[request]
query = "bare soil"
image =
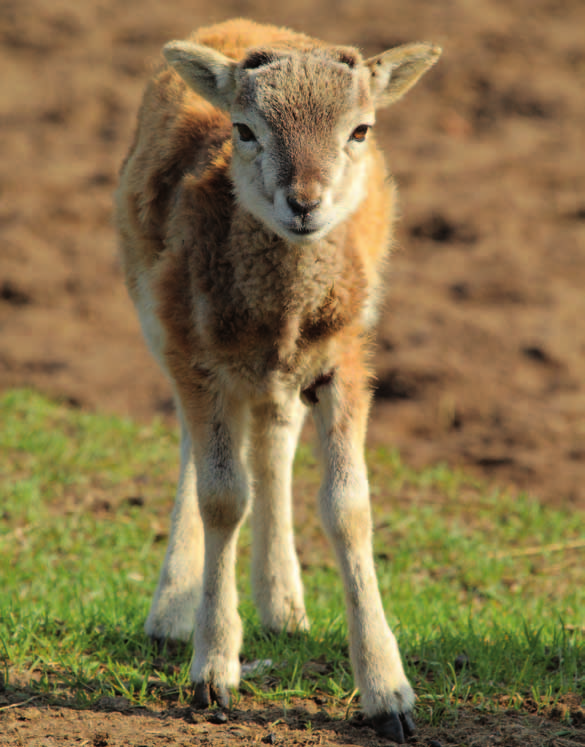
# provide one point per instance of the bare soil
(481, 350)
(113, 723)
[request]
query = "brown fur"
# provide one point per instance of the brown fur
(176, 196)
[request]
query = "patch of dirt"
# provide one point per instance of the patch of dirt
(114, 723)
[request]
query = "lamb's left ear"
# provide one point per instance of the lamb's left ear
(205, 70)
(394, 72)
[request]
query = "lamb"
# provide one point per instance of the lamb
(255, 216)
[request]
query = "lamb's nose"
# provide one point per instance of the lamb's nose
(302, 207)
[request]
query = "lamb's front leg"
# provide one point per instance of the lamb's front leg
(340, 416)
(224, 496)
(276, 576)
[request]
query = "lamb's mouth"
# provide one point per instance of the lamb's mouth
(303, 230)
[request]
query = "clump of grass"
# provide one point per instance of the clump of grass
(485, 590)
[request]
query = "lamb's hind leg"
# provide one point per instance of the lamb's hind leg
(172, 612)
(340, 416)
(276, 577)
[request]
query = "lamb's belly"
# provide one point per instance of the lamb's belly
(268, 379)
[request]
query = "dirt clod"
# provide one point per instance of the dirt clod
(217, 717)
(461, 661)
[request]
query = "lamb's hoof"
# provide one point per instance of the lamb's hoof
(395, 726)
(168, 647)
(205, 694)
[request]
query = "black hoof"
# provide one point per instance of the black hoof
(158, 643)
(167, 646)
(205, 694)
(201, 697)
(395, 726)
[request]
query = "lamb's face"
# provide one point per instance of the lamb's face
(300, 133)
(301, 121)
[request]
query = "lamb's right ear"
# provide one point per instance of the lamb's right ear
(208, 72)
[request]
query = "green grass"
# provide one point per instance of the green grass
(485, 590)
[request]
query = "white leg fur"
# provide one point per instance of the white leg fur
(276, 576)
(172, 613)
(224, 497)
(345, 509)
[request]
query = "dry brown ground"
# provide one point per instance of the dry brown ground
(481, 356)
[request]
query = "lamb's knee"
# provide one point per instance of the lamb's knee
(345, 508)
(224, 498)
(348, 528)
(222, 487)
(223, 511)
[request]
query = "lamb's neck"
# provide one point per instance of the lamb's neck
(279, 276)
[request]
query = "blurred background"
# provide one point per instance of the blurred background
(481, 347)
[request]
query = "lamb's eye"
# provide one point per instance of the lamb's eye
(359, 134)
(245, 133)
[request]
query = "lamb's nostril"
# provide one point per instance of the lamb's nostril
(302, 207)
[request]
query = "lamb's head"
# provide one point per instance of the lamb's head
(300, 124)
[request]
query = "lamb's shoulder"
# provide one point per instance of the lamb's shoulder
(179, 136)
